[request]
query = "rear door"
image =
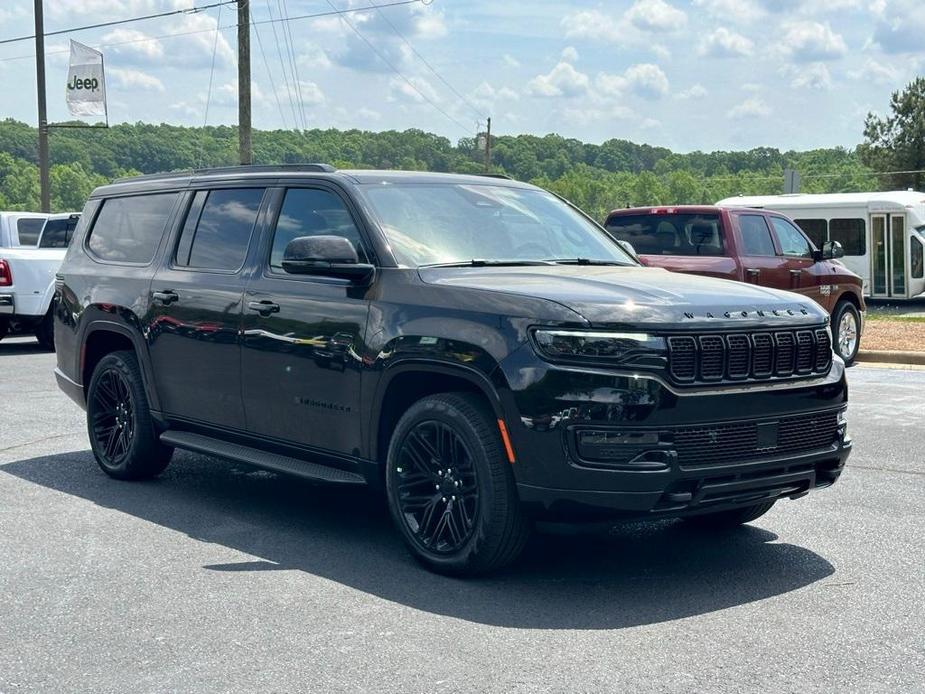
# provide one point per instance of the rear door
(196, 299)
(797, 252)
(758, 255)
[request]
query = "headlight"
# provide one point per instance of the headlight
(639, 348)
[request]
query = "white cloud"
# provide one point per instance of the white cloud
(736, 11)
(812, 41)
(645, 79)
(570, 54)
(593, 25)
(696, 91)
(900, 28)
(814, 76)
(655, 16)
(753, 107)
(724, 43)
(143, 48)
(134, 79)
(309, 93)
(486, 96)
(876, 72)
(312, 57)
(419, 93)
(510, 60)
(562, 80)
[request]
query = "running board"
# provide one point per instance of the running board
(198, 443)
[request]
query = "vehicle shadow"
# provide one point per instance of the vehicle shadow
(28, 345)
(633, 575)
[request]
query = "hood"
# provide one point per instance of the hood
(622, 296)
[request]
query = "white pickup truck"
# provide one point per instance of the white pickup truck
(32, 247)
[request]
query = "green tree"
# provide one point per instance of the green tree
(897, 142)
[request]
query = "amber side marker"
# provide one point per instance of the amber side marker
(507, 441)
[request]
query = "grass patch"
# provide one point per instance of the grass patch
(894, 318)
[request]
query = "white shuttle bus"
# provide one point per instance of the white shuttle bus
(883, 234)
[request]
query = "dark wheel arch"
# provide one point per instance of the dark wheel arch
(102, 337)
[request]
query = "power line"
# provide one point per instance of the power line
(116, 22)
(282, 65)
(315, 15)
(266, 65)
(205, 118)
(430, 67)
(398, 72)
(287, 32)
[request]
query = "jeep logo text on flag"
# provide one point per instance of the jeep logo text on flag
(86, 88)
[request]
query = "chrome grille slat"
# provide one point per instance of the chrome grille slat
(760, 356)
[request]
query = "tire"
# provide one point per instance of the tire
(450, 487)
(45, 332)
(4, 326)
(124, 440)
(732, 518)
(845, 321)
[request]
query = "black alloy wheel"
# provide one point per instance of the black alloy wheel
(437, 487)
(122, 434)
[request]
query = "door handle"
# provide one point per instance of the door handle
(752, 273)
(264, 308)
(166, 297)
(795, 272)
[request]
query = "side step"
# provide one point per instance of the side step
(252, 456)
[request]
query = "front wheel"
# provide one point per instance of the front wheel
(846, 331)
(122, 434)
(45, 332)
(732, 518)
(450, 488)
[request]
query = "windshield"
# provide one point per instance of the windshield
(429, 224)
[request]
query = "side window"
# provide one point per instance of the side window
(129, 229)
(312, 212)
(756, 237)
(791, 240)
(816, 229)
(218, 228)
(917, 258)
(851, 234)
(57, 233)
(28, 230)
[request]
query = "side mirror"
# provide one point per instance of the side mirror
(628, 247)
(327, 256)
(832, 250)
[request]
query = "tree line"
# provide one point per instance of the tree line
(596, 177)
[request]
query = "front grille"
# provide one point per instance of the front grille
(715, 358)
(738, 442)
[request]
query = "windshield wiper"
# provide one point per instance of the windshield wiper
(586, 261)
(480, 262)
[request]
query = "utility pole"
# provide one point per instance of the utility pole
(43, 115)
(244, 81)
(488, 148)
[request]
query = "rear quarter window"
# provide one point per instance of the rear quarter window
(670, 234)
(129, 229)
(28, 230)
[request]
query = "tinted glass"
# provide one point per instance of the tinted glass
(222, 233)
(756, 237)
(129, 229)
(851, 234)
(452, 222)
(790, 240)
(670, 234)
(57, 233)
(28, 230)
(312, 212)
(916, 258)
(816, 229)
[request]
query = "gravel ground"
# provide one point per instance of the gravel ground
(903, 335)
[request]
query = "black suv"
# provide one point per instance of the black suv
(475, 347)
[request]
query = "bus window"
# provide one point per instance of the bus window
(816, 229)
(850, 233)
(917, 251)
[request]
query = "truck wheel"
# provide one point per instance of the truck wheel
(45, 332)
(730, 519)
(846, 330)
(122, 434)
(450, 488)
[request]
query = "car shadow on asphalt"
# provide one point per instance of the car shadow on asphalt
(14, 346)
(632, 575)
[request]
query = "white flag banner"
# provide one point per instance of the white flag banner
(86, 89)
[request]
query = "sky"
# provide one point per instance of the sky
(688, 75)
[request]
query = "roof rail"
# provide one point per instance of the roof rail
(496, 175)
(239, 168)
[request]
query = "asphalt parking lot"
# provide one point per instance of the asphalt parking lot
(218, 578)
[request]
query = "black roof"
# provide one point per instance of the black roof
(292, 172)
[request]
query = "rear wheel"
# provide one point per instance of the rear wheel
(846, 330)
(45, 332)
(732, 518)
(122, 434)
(450, 488)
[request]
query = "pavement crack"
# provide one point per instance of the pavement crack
(887, 469)
(45, 438)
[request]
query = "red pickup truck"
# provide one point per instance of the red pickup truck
(749, 245)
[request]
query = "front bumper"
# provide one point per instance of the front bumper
(7, 305)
